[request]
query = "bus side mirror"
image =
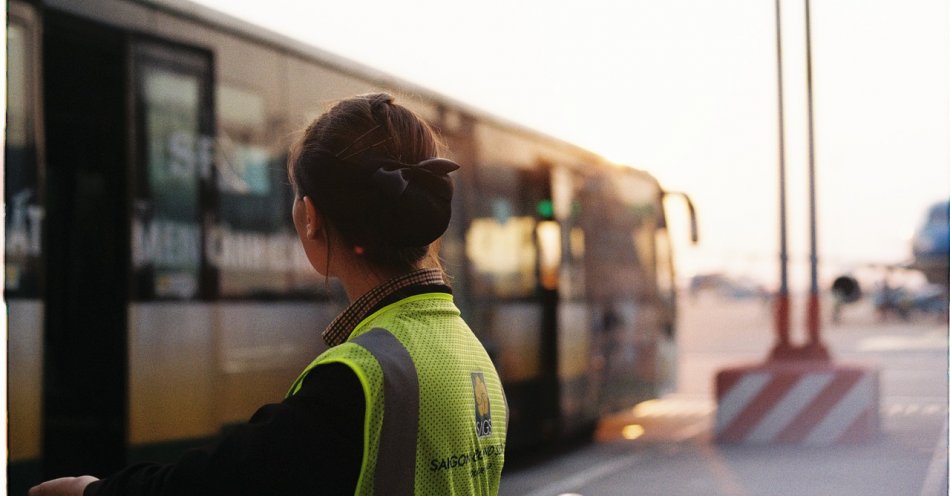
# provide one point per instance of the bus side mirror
(693, 224)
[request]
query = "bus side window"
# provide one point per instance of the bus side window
(175, 160)
(253, 244)
(500, 238)
(24, 212)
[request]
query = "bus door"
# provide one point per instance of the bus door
(124, 190)
(562, 245)
(171, 352)
(85, 247)
(511, 306)
(621, 217)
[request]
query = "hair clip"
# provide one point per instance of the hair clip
(370, 147)
(357, 140)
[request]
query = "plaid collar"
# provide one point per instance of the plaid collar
(341, 327)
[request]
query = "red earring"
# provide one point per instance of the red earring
(358, 250)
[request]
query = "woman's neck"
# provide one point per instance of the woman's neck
(361, 280)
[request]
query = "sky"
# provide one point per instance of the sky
(687, 90)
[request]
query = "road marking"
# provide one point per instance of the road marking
(935, 484)
(687, 408)
(931, 409)
(585, 477)
(910, 408)
(674, 408)
(690, 431)
(929, 341)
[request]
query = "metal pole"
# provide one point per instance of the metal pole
(782, 346)
(814, 347)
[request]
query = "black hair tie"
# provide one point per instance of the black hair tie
(417, 201)
(392, 177)
(381, 202)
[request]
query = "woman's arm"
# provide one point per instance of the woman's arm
(309, 443)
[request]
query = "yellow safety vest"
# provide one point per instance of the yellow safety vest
(436, 415)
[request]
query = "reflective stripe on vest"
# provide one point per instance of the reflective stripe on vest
(397, 438)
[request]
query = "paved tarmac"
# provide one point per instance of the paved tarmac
(666, 447)
(674, 455)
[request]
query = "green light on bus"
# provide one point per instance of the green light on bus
(546, 209)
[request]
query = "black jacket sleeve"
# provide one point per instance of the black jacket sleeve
(311, 443)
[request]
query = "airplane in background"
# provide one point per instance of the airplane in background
(931, 244)
(894, 290)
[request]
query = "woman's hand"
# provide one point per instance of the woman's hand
(66, 486)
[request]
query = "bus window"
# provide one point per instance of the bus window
(640, 209)
(24, 213)
(170, 237)
(176, 155)
(253, 244)
(566, 191)
(664, 265)
(614, 255)
(502, 255)
(500, 238)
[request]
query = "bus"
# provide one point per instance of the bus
(155, 289)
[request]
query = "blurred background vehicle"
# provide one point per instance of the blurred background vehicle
(931, 244)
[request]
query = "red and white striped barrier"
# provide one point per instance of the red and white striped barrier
(797, 402)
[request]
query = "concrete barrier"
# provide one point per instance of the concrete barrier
(810, 402)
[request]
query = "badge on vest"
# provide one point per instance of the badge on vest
(482, 405)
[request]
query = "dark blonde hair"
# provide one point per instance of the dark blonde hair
(366, 165)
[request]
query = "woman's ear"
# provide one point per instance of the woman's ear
(314, 222)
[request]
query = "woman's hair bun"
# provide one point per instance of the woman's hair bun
(421, 213)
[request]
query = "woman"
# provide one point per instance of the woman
(405, 400)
